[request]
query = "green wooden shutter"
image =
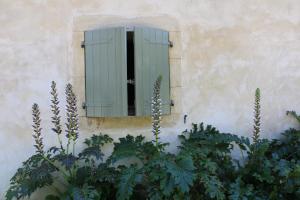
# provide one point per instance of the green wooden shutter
(106, 73)
(151, 60)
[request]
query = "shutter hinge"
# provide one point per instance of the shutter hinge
(170, 44)
(83, 105)
(172, 103)
(82, 44)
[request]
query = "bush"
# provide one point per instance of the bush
(203, 168)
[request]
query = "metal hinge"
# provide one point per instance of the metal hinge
(82, 44)
(170, 44)
(172, 103)
(83, 105)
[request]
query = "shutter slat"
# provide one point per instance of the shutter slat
(151, 60)
(105, 79)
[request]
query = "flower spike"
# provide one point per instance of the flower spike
(156, 109)
(72, 116)
(56, 110)
(37, 130)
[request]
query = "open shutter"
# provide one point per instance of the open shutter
(151, 60)
(106, 73)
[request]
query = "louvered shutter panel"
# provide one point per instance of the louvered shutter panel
(106, 73)
(151, 60)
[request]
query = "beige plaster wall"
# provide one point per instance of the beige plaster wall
(222, 51)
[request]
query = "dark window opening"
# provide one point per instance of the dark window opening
(130, 74)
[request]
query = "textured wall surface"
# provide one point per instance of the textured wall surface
(222, 51)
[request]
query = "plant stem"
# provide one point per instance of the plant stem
(60, 143)
(58, 167)
(68, 145)
(74, 148)
(156, 137)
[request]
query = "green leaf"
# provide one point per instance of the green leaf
(128, 179)
(172, 173)
(283, 168)
(213, 187)
(155, 194)
(167, 184)
(91, 151)
(94, 145)
(67, 161)
(182, 172)
(133, 147)
(98, 140)
(83, 175)
(35, 173)
(86, 192)
(240, 191)
(104, 173)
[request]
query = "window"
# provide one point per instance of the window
(121, 66)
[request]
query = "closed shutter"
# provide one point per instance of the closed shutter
(151, 60)
(106, 73)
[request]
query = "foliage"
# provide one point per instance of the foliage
(210, 151)
(60, 165)
(272, 170)
(35, 173)
(203, 167)
(153, 172)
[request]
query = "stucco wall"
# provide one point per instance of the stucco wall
(223, 50)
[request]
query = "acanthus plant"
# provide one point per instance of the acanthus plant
(272, 168)
(59, 165)
(154, 173)
(203, 167)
